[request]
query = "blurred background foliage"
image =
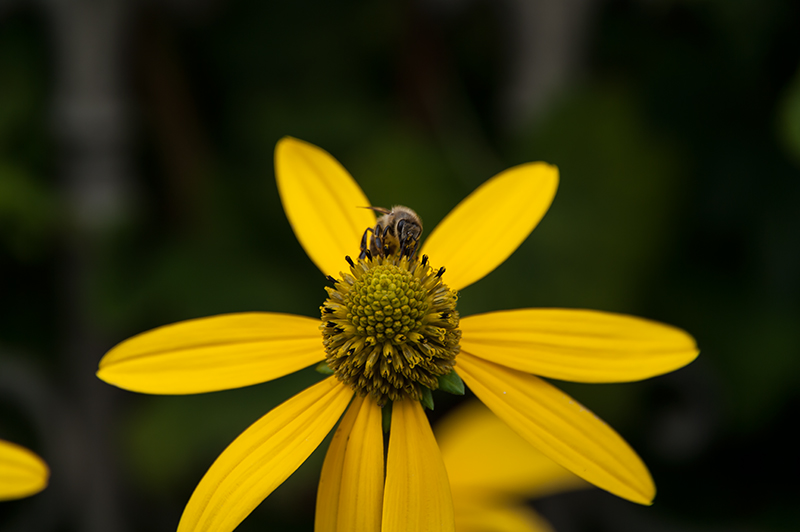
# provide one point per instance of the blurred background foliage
(137, 189)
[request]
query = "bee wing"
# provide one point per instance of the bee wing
(378, 209)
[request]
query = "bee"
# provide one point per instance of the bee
(397, 232)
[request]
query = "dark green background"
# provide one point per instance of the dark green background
(677, 135)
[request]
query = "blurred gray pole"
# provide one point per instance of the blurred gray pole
(545, 45)
(90, 122)
(89, 51)
(548, 42)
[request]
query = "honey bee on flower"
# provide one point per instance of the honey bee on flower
(397, 232)
(391, 334)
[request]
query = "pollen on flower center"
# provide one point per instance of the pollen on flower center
(390, 327)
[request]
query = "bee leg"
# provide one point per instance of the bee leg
(363, 253)
(409, 248)
(380, 240)
(404, 240)
(400, 238)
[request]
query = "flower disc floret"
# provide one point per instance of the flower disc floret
(390, 327)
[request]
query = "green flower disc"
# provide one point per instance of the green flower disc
(390, 327)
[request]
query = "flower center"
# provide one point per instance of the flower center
(390, 327)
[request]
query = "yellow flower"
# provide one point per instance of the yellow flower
(493, 471)
(22, 473)
(399, 361)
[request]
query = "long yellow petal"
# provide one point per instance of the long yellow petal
(362, 482)
(417, 495)
(263, 456)
(559, 427)
(577, 345)
(491, 223)
(22, 472)
(216, 353)
(480, 516)
(350, 491)
(360, 465)
(485, 458)
(330, 479)
(322, 202)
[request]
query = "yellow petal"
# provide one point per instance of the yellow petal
(263, 456)
(216, 353)
(491, 223)
(559, 427)
(417, 495)
(351, 484)
(484, 457)
(480, 516)
(330, 479)
(577, 345)
(22, 473)
(322, 202)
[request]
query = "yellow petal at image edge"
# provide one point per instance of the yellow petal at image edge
(490, 224)
(325, 206)
(22, 472)
(577, 345)
(350, 493)
(417, 495)
(480, 516)
(484, 457)
(559, 427)
(330, 479)
(216, 353)
(263, 456)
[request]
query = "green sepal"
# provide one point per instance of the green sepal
(386, 417)
(451, 383)
(427, 398)
(325, 369)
